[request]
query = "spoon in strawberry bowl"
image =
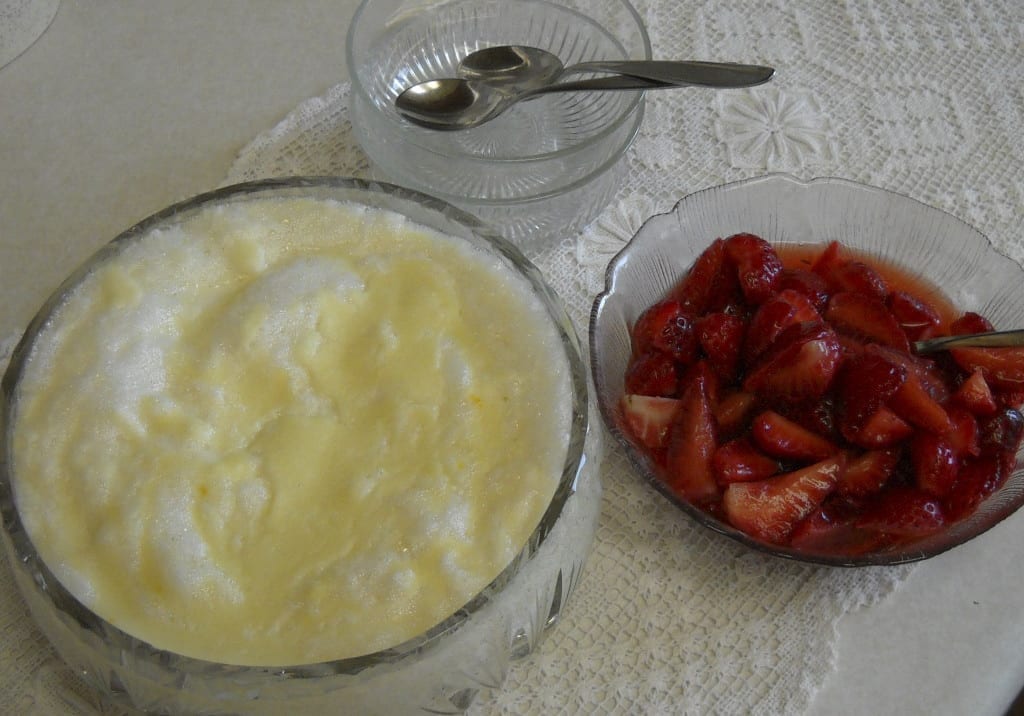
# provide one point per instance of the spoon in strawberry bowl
(991, 339)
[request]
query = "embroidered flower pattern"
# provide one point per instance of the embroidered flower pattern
(774, 130)
(606, 236)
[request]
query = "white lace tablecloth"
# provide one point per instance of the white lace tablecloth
(924, 98)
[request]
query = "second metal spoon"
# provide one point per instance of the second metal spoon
(524, 68)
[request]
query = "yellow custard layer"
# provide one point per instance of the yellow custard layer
(289, 431)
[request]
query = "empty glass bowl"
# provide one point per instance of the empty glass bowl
(439, 671)
(942, 249)
(545, 167)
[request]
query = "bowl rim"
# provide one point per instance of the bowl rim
(119, 643)
(645, 467)
(636, 100)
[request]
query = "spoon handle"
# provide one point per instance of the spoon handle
(685, 72)
(995, 339)
(614, 82)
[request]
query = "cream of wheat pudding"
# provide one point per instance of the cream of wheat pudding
(288, 431)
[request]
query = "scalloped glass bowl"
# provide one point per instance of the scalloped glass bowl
(947, 252)
(541, 170)
(439, 671)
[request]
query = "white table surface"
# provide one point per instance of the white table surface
(124, 107)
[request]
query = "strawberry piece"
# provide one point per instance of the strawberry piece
(800, 365)
(963, 435)
(785, 439)
(808, 283)
(935, 463)
(757, 266)
(648, 418)
(652, 373)
(970, 322)
(975, 395)
(865, 317)
(721, 337)
(881, 430)
(733, 411)
(912, 403)
(692, 442)
(865, 385)
(868, 473)
(829, 260)
(903, 512)
(818, 416)
(857, 277)
(1001, 433)
(977, 480)
(711, 285)
(1003, 368)
(782, 310)
(739, 461)
(825, 531)
(932, 378)
(770, 509)
(919, 320)
(666, 327)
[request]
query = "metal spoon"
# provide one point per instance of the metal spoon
(523, 68)
(995, 339)
(453, 103)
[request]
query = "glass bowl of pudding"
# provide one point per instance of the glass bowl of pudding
(299, 445)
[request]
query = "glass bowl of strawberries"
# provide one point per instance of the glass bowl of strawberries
(756, 352)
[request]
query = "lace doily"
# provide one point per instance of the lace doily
(669, 618)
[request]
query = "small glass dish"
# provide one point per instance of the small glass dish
(543, 169)
(439, 671)
(944, 250)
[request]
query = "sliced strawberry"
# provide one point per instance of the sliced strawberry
(805, 282)
(780, 311)
(857, 277)
(785, 439)
(970, 322)
(830, 259)
(931, 376)
(757, 266)
(711, 284)
(903, 512)
(692, 442)
(800, 365)
(865, 317)
(826, 532)
(865, 385)
(1003, 368)
(769, 509)
(666, 327)
(648, 418)
(977, 480)
(913, 403)
(975, 395)
(739, 461)
(652, 373)
(817, 415)
(868, 473)
(1001, 433)
(964, 434)
(702, 371)
(721, 337)
(919, 320)
(882, 429)
(935, 463)
(732, 412)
